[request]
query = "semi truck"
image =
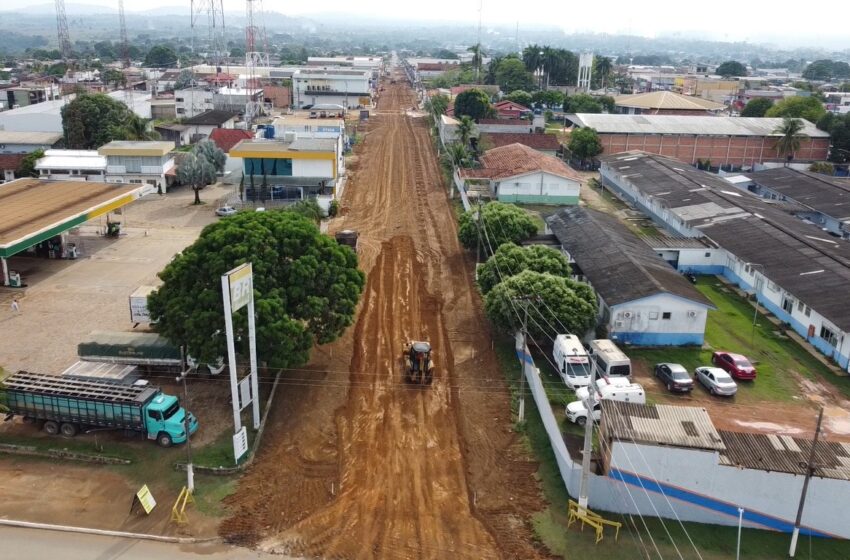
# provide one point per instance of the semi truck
(67, 406)
(149, 351)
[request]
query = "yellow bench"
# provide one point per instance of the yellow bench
(587, 517)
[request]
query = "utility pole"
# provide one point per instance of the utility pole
(809, 469)
(480, 233)
(587, 450)
(190, 472)
(525, 301)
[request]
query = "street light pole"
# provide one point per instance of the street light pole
(756, 292)
(740, 522)
(190, 472)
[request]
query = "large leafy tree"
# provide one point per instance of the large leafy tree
(520, 96)
(511, 259)
(306, 288)
(27, 166)
(582, 103)
(756, 107)
(501, 223)
(563, 304)
(161, 56)
(585, 143)
(197, 172)
(208, 150)
(602, 68)
(474, 103)
(791, 134)
(809, 108)
(823, 70)
(731, 68)
(92, 120)
(511, 75)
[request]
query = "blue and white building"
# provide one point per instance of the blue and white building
(796, 270)
(643, 301)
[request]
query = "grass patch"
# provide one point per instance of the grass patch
(219, 453)
(210, 492)
(89, 445)
(730, 327)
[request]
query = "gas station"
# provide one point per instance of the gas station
(36, 215)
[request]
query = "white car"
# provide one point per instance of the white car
(716, 380)
(577, 412)
(225, 211)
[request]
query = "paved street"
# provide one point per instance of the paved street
(36, 543)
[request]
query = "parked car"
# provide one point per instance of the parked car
(716, 380)
(675, 377)
(736, 365)
(225, 211)
(577, 413)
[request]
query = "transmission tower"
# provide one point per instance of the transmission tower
(125, 44)
(207, 19)
(256, 56)
(62, 29)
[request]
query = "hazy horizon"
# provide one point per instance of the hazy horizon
(750, 21)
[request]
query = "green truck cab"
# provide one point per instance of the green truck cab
(65, 406)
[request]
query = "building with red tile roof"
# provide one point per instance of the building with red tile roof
(226, 138)
(546, 143)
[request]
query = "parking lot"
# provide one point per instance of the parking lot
(66, 299)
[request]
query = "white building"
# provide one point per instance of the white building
(191, 102)
(294, 126)
(642, 299)
(150, 163)
(16, 142)
(72, 165)
(795, 269)
(47, 116)
(202, 125)
(347, 88)
(520, 174)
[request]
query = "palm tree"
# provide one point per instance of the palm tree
(603, 68)
(456, 155)
(532, 58)
(476, 60)
(791, 134)
(465, 127)
(136, 128)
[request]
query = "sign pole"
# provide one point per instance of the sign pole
(252, 344)
(231, 352)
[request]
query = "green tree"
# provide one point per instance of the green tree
(585, 143)
(184, 80)
(731, 68)
(208, 150)
(476, 58)
(520, 96)
(502, 223)
(59, 69)
(92, 120)
(455, 155)
(161, 56)
(825, 70)
(309, 208)
(798, 107)
(237, 52)
(756, 107)
(196, 172)
(822, 167)
(511, 75)
(465, 129)
(137, 128)
(603, 67)
(791, 131)
(582, 103)
(510, 259)
(306, 288)
(473, 103)
(27, 166)
(564, 303)
(839, 134)
(438, 104)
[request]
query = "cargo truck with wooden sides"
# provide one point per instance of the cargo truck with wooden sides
(61, 405)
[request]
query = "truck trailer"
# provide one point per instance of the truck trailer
(67, 406)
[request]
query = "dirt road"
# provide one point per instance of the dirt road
(361, 464)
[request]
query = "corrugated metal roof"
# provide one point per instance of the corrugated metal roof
(667, 100)
(787, 454)
(618, 264)
(821, 193)
(677, 124)
(14, 137)
(680, 426)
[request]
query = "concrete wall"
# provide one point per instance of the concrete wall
(642, 323)
(537, 188)
(507, 127)
(312, 168)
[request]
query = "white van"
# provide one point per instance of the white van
(631, 392)
(604, 386)
(610, 360)
(572, 361)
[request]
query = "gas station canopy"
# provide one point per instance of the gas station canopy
(32, 210)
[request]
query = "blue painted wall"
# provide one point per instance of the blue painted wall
(658, 339)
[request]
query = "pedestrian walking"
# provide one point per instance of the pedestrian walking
(16, 308)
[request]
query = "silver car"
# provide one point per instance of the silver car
(716, 380)
(225, 211)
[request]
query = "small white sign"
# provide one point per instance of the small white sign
(245, 392)
(241, 282)
(240, 443)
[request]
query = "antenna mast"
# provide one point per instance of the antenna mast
(62, 29)
(125, 44)
(255, 40)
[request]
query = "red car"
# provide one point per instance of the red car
(736, 365)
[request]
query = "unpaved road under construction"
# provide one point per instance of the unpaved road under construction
(358, 464)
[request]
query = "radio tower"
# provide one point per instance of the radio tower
(62, 28)
(213, 12)
(255, 39)
(125, 44)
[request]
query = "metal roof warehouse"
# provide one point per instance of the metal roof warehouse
(32, 211)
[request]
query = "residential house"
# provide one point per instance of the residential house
(72, 165)
(142, 162)
(203, 124)
(642, 299)
(544, 143)
(794, 270)
(517, 173)
(9, 165)
(727, 142)
(191, 102)
(235, 99)
(507, 109)
(180, 134)
(15, 145)
(286, 170)
(225, 139)
(665, 103)
(347, 88)
(163, 108)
